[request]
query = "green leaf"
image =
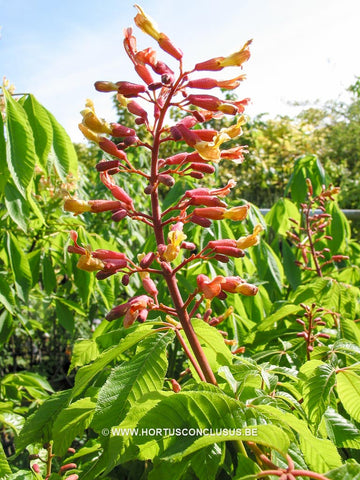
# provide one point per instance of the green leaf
(144, 373)
(20, 267)
(71, 305)
(88, 372)
(65, 316)
(348, 388)
(20, 149)
(292, 271)
(70, 422)
(316, 391)
(217, 353)
(6, 294)
(206, 461)
(339, 228)
(41, 127)
(282, 313)
(48, 274)
(278, 217)
(4, 172)
(38, 427)
(65, 158)
(84, 352)
(6, 327)
(5, 469)
(307, 166)
(209, 409)
(340, 430)
(349, 471)
(321, 455)
(16, 206)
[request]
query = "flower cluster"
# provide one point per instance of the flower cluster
(161, 89)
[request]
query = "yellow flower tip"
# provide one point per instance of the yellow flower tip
(76, 206)
(171, 253)
(238, 58)
(89, 134)
(90, 264)
(250, 240)
(94, 123)
(146, 24)
(237, 213)
(176, 237)
(210, 150)
(247, 289)
(90, 104)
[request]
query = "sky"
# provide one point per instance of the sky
(302, 50)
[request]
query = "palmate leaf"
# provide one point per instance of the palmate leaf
(20, 149)
(348, 388)
(70, 422)
(144, 373)
(316, 391)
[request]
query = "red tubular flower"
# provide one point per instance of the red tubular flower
(129, 89)
(110, 147)
(236, 153)
(213, 213)
(208, 102)
(118, 130)
(189, 136)
(144, 73)
(202, 167)
(104, 165)
(150, 287)
(119, 215)
(108, 255)
(206, 134)
(137, 110)
(207, 201)
(234, 60)
(131, 310)
(210, 288)
(202, 221)
(117, 191)
(225, 242)
(229, 251)
(104, 205)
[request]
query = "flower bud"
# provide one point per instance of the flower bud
(129, 89)
(103, 166)
(104, 86)
(167, 180)
(144, 73)
(188, 246)
(202, 167)
(177, 159)
(110, 147)
(36, 468)
(125, 279)
(197, 175)
(221, 258)
(119, 215)
(147, 260)
(150, 286)
(229, 251)
(72, 477)
(175, 385)
(202, 221)
(68, 466)
(104, 205)
(119, 130)
(213, 213)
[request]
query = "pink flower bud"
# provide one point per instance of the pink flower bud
(125, 279)
(71, 450)
(150, 286)
(119, 215)
(107, 165)
(119, 130)
(225, 242)
(199, 116)
(175, 385)
(137, 110)
(197, 175)
(104, 205)
(221, 258)
(36, 468)
(203, 222)
(323, 335)
(189, 136)
(188, 246)
(303, 334)
(142, 316)
(68, 466)
(177, 159)
(229, 251)
(129, 89)
(147, 260)
(108, 255)
(207, 201)
(72, 477)
(339, 258)
(202, 167)
(203, 83)
(167, 180)
(117, 191)
(144, 73)
(117, 312)
(188, 121)
(208, 102)
(176, 133)
(130, 140)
